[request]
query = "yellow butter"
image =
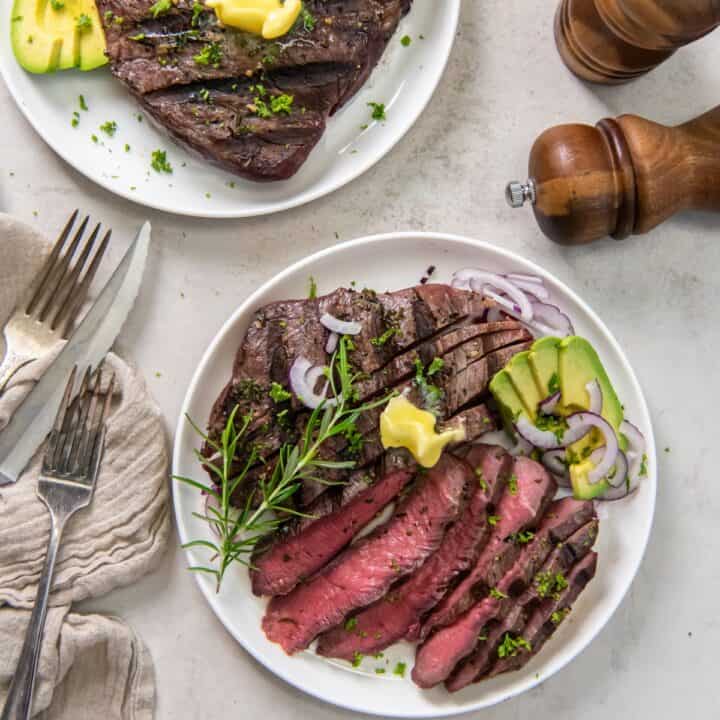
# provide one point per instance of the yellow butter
(404, 425)
(269, 18)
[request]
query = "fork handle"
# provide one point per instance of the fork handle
(12, 362)
(19, 700)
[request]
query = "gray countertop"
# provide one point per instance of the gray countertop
(659, 294)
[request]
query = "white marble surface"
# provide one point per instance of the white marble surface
(659, 294)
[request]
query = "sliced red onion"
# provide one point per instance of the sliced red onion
(596, 396)
(538, 291)
(636, 448)
(543, 439)
(523, 277)
(341, 327)
(521, 447)
(586, 420)
(554, 461)
(548, 405)
(303, 377)
(480, 280)
(332, 343)
(553, 317)
(621, 485)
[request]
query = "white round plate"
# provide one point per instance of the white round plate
(391, 262)
(404, 81)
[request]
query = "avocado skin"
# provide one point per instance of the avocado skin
(45, 40)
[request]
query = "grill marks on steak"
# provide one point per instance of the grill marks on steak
(366, 570)
(293, 559)
(437, 658)
(399, 613)
(516, 512)
(205, 105)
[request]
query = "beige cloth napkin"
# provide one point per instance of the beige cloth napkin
(92, 667)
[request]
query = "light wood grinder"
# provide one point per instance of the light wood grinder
(622, 177)
(615, 41)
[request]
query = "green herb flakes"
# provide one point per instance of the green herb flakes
(57, 4)
(312, 291)
(160, 8)
(351, 624)
(554, 384)
(278, 393)
(211, 54)
(83, 23)
(405, 40)
(513, 484)
(559, 615)
(109, 128)
(493, 520)
(511, 646)
(197, 11)
(400, 669)
(82, 103)
(357, 659)
(159, 162)
(383, 339)
(497, 594)
(378, 111)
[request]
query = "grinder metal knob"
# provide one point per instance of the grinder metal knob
(517, 193)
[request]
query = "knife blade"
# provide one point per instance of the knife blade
(86, 347)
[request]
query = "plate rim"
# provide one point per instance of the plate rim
(297, 200)
(251, 302)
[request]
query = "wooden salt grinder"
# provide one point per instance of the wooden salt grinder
(622, 177)
(614, 41)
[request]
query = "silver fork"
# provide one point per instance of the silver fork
(67, 481)
(52, 303)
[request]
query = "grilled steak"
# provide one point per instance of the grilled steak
(293, 559)
(212, 87)
(437, 658)
(397, 614)
(366, 570)
(533, 490)
(513, 614)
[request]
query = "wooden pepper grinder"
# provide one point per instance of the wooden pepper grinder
(614, 41)
(622, 177)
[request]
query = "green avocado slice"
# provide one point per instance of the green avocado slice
(544, 361)
(509, 402)
(522, 379)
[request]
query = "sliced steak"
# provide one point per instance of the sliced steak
(519, 510)
(366, 570)
(439, 655)
(293, 559)
(512, 614)
(548, 616)
(397, 614)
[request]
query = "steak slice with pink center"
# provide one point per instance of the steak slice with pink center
(365, 571)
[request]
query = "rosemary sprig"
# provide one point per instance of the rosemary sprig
(239, 530)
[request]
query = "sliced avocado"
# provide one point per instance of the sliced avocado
(544, 361)
(523, 381)
(46, 36)
(509, 402)
(582, 488)
(579, 365)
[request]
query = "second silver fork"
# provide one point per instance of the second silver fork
(52, 303)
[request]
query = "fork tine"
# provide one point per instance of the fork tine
(81, 420)
(96, 427)
(70, 282)
(49, 291)
(48, 461)
(32, 294)
(72, 307)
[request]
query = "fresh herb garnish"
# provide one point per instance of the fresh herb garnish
(57, 4)
(548, 583)
(351, 624)
(282, 104)
(405, 40)
(383, 339)
(481, 479)
(552, 423)
(380, 671)
(378, 111)
(239, 529)
(644, 466)
(160, 8)
(400, 669)
(312, 292)
(432, 395)
(511, 646)
(109, 127)
(137, 38)
(435, 367)
(75, 119)
(197, 11)
(278, 393)
(159, 162)
(211, 54)
(497, 594)
(357, 659)
(554, 384)
(513, 484)
(523, 537)
(308, 20)
(493, 520)
(83, 23)
(559, 615)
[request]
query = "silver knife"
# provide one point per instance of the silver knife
(87, 346)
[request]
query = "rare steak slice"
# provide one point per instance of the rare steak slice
(513, 614)
(295, 558)
(399, 613)
(438, 656)
(364, 572)
(526, 498)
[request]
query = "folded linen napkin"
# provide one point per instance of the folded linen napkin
(91, 666)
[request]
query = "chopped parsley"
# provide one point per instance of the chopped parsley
(211, 54)
(383, 339)
(137, 38)
(493, 520)
(511, 646)
(405, 40)
(355, 441)
(513, 484)
(57, 4)
(432, 394)
(400, 669)
(380, 671)
(553, 424)
(308, 20)
(497, 594)
(378, 111)
(481, 479)
(109, 127)
(160, 8)
(282, 104)
(83, 23)
(643, 466)
(204, 95)
(554, 384)
(278, 393)
(357, 659)
(94, 137)
(159, 162)
(312, 291)
(550, 584)
(127, 148)
(523, 537)
(75, 119)
(435, 367)
(351, 624)
(559, 615)
(197, 11)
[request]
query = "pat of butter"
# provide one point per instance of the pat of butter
(269, 18)
(404, 425)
